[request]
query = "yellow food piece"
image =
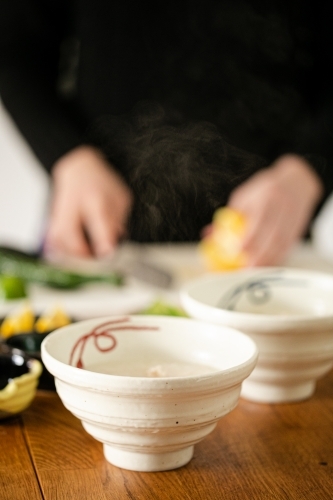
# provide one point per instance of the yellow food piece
(55, 319)
(221, 249)
(22, 322)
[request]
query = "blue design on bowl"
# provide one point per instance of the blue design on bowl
(258, 289)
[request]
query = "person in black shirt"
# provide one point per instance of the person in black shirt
(149, 117)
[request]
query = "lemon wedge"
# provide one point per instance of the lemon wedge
(55, 319)
(221, 249)
(24, 321)
(21, 322)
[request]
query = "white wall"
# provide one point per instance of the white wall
(322, 231)
(24, 190)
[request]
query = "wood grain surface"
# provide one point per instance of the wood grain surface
(258, 451)
(17, 474)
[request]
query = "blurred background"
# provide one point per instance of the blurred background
(25, 194)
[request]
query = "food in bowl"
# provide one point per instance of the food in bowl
(23, 329)
(287, 312)
(24, 320)
(148, 387)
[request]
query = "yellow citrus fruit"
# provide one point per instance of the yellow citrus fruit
(221, 249)
(20, 322)
(55, 319)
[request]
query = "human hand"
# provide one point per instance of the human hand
(278, 203)
(90, 206)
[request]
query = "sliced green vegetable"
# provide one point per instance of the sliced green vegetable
(160, 308)
(31, 269)
(12, 287)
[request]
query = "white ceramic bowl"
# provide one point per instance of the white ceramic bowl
(150, 387)
(287, 312)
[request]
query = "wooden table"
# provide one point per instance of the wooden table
(258, 451)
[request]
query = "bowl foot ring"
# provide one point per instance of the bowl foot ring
(148, 462)
(275, 393)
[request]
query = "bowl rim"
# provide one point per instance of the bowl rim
(80, 377)
(186, 297)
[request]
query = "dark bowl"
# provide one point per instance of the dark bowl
(30, 344)
(15, 363)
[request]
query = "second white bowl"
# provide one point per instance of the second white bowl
(287, 312)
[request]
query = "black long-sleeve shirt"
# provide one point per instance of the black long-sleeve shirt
(260, 71)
